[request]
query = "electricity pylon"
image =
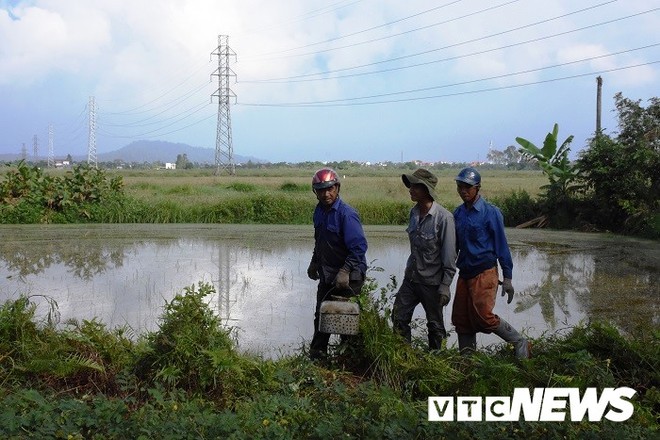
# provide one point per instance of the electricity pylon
(91, 139)
(224, 149)
(35, 148)
(51, 152)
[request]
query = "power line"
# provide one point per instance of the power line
(306, 16)
(370, 29)
(452, 45)
(468, 92)
(133, 110)
(301, 78)
(157, 130)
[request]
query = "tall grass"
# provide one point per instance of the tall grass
(284, 197)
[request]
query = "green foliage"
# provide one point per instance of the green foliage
(262, 208)
(623, 173)
(186, 380)
(191, 348)
(242, 187)
(553, 160)
(517, 207)
(383, 212)
(294, 187)
(29, 196)
(87, 356)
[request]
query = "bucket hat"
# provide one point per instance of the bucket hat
(425, 177)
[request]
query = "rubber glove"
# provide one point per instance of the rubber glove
(445, 294)
(313, 271)
(341, 281)
(507, 288)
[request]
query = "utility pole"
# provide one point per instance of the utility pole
(224, 149)
(35, 148)
(599, 91)
(91, 139)
(51, 153)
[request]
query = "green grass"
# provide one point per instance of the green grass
(357, 186)
(280, 196)
(188, 380)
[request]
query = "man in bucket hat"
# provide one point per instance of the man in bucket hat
(431, 265)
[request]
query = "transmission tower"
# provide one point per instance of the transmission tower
(51, 153)
(24, 152)
(224, 150)
(91, 140)
(35, 148)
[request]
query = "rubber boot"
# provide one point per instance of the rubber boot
(510, 334)
(467, 343)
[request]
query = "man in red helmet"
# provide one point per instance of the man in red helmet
(339, 259)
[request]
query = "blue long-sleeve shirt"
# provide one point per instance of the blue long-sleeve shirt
(480, 240)
(339, 241)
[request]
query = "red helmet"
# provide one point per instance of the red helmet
(325, 178)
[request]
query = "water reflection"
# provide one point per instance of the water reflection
(82, 261)
(123, 274)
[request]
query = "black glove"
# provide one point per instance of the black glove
(445, 294)
(313, 271)
(507, 288)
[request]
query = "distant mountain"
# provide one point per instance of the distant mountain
(152, 151)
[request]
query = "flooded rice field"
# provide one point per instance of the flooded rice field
(124, 274)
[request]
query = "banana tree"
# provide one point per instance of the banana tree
(553, 160)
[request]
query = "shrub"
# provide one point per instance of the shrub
(29, 196)
(518, 207)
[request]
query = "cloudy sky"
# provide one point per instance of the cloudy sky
(377, 80)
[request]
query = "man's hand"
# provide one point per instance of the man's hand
(341, 281)
(313, 271)
(507, 288)
(445, 294)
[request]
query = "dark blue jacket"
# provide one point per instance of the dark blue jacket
(339, 242)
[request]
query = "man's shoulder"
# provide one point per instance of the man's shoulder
(488, 206)
(344, 208)
(441, 210)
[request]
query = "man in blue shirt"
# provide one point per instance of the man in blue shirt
(339, 259)
(481, 245)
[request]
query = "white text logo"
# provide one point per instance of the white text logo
(544, 405)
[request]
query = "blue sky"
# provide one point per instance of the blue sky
(376, 80)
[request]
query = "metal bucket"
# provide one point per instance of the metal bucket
(339, 317)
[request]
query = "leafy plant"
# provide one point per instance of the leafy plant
(191, 349)
(557, 203)
(553, 160)
(29, 196)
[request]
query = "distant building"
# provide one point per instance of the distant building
(170, 166)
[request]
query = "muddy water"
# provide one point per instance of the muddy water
(123, 274)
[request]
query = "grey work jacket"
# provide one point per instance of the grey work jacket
(432, 257)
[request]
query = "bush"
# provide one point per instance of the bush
(517, 208)
(29, 196)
